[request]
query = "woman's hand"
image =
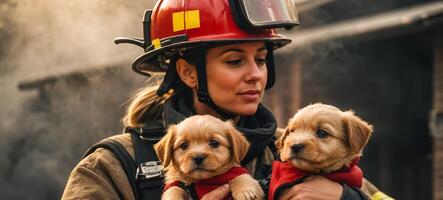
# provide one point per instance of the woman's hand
(218, 193)
(314, 188)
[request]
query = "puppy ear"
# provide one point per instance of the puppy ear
(281, 135)
(164, 147)
(240, 144)
(358, 131)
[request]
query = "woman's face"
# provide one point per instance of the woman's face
(236, 76)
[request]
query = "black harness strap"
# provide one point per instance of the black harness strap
(125, 160)
(148, 187)
(143, 173)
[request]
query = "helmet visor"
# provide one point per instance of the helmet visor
(270, 13)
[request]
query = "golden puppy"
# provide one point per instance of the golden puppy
(320, 139)
(202, 153)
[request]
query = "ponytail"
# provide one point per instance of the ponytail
(145, 105)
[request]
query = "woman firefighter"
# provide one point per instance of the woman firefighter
(217, 56)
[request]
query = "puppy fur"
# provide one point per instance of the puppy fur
(321, 138)
(217, 144)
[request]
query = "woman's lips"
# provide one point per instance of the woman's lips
(250, 95)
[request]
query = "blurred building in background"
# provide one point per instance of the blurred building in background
(384, 60)
(385, 66)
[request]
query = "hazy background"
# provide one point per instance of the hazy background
(45, 127)
(42, 137)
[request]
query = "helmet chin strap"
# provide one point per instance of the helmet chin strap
(202, 91)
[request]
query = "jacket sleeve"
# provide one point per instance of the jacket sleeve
(98, 176)
(351, 193)
(369, 189)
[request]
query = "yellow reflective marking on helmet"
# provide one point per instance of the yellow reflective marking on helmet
(192, 19)
(178, 21)
(156, 43)
(381, 196)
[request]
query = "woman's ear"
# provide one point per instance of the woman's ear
(187, 73)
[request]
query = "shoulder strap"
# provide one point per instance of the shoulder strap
(149, 177)
(125, 160)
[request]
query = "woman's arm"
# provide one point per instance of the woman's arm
(98, 176)
(85, 183)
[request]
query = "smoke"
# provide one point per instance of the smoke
(44, 131)
(50, 36)
(54, 33)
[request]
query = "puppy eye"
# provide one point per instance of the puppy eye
(214, 143)
(184, 146)
(322, 133)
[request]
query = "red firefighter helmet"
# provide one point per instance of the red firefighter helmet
(175, 25)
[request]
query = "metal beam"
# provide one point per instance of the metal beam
(400, 21)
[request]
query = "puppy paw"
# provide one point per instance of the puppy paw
(175, 193)
(244, 187)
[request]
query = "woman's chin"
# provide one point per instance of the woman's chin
(247, 110)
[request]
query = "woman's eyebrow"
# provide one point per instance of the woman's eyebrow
(240, 50)
(231, 49)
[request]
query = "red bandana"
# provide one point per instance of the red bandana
(285, 173)
(204, 186)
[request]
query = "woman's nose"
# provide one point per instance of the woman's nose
(254, 71)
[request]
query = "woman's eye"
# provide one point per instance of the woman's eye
(322, 133)
(234, 62)
(214, 143)
(260, 61)
(184, 146)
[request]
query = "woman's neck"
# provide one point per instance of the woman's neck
(203, 109)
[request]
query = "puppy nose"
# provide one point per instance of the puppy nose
(297, 147)
(198, 159)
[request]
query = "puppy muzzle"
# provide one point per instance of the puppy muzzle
(198, 160)
(297, 148)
